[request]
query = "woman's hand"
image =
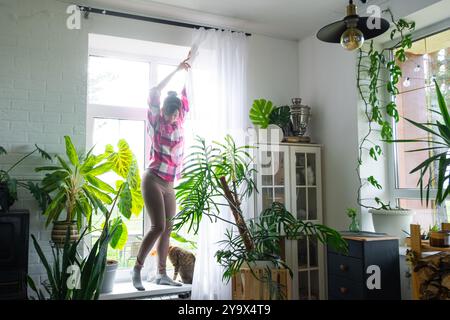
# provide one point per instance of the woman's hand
(184, 65)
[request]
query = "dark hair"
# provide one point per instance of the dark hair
(171, 104)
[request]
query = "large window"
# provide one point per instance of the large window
(428, 59)
(118, 87)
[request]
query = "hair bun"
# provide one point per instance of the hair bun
(172, 94)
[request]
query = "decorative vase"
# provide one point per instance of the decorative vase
(109, 276)
(59, 232)
(392, 222)
(354, 225)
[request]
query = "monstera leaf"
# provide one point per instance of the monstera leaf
(281, 116)
(260, 113)
(120, 160)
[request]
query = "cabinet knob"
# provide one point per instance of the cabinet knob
(343, 290)
(343, 268)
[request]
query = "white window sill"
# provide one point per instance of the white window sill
(125, 290)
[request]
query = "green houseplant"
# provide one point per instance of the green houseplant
(221, 175)
(263, 114)
(378, 75)
(71, 276)
(438, 140)
(9, 185)
(77, 190)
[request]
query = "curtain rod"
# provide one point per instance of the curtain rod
(88, 10)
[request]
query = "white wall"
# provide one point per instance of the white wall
(327, 85)
(43, 73)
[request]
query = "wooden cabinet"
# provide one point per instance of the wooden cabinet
(367, 257)
(291, 174)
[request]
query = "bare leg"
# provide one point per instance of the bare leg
(154, 202)
(164, 240)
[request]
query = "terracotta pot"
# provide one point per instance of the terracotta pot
(59, 232)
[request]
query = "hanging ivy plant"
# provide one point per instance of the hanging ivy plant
(372, 65)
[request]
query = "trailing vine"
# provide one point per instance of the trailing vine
(372, 65)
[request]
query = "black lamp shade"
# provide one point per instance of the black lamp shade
(332, 33)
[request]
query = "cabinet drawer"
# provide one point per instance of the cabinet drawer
(340, 288)
(355, 249)
(347, 267)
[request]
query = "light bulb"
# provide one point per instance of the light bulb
(352, 39)
(407, 82)
(417, 68)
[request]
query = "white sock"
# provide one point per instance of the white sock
(136, 277)
(164, 279)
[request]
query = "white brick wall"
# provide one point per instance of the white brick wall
(43, 77)
(42, 95)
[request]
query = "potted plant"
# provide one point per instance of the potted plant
(379, 115)
(391, 221)
(77, 190)
(9, 185)
(222, 173)
(267, 231)
(354, 225)
(268, 119)
(71, 276)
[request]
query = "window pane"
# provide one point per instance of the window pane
(427, 58)
(176, 83)
(118, 82)
(426, 217)
(110, 131)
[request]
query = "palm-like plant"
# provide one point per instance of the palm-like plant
(212, 174)
(266, 231)
(221, 172)
(77, 190)
(438, 145)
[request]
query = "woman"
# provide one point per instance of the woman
(166, 131)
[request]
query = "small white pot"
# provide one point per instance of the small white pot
(392, 222)
(272, 135)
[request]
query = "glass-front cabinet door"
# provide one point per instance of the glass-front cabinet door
(306, 204)
(272, 176)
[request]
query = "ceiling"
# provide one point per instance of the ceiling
(287, 19)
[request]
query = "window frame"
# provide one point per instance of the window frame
(396, 193)
(124, 113)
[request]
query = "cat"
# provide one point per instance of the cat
(183, 262)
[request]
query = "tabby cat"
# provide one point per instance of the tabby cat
(183, 262)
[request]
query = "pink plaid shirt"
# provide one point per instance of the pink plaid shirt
(166, 153)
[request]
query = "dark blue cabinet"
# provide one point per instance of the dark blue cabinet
(371, 258)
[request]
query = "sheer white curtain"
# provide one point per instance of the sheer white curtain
(216, 89)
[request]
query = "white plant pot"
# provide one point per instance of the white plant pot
(271, 135)
(392, 222)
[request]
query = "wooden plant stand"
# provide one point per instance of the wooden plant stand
(246, 287)
(418, 246)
